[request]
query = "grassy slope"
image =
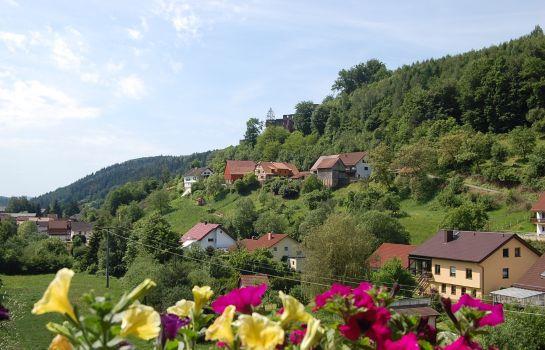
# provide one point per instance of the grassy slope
(27, 331)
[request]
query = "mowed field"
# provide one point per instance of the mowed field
(27, 331)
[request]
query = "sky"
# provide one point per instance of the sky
(86, 84)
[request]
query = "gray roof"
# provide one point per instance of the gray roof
(197, 171)
(518, 293)
(81, 226)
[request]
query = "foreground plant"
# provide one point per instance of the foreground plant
(359, 318)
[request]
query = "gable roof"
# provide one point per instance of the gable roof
(264, 242)
(268, 167)
(352, 158)
(326, 162)
(199, 231)
(240, 167)
(81, 226)
(389, 251)
(473, 246)
(196, 171)
(540, 204)
(534, 278)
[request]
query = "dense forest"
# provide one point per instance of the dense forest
(97, 185)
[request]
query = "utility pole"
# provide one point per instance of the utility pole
(107, 259)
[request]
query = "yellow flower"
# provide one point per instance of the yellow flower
(55, 298)
(201, 295)
(60, 343)
(313, 334)
(257, 332)
(141, 321)
(221, 329)
(182, 308)
(293, 310)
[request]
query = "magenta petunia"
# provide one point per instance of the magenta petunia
(296, 336)
(362, 297)
(463, 344)
(493, 317)
(170, 325)
(4, 314)
(335, 290)
(407, 342)
(372, 323)
(244, 299)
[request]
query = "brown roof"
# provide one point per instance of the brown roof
(325, 162)
(352, 158)
(264, 242)
(389, 251)
(81, 226)
(253, 280)
(270, 166)
(196, 171)
(534, 278)
(199, 231)
(240, 166)
(58, 227)
(423, 311)
(540, 204)
(471, 246)
(301, 175)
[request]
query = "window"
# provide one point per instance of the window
(463, 290)
(275, 249)
(210, 239)
(453, 290)
(469, 274)
(453, 271)
(505, 273)
(437, 269)
(285, 249)
(366, 168)
(505, 252)
(517, 252)
(443, 288)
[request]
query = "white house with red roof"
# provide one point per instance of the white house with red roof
(281, 246)
(338, 169)
(539, 217)
(206, 235)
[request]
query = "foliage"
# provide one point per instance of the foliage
(360, 75)
(394, 272)
(523, 141)
(467, 216)
(383, 227)
(159, 201)
(247, 184)
(20, 204)
(302, 119)
(315, 198)
(243, 218)
(270, 221)
(253, 129)
(311, 183)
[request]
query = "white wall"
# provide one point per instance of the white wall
(360, 169)
(219, 240)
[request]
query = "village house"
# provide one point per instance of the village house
(528, 290)
(194, 175)
(390, 251)
(267, 170)
(207, 235)
(236, 169)
(79, 228)
(458, 262)
(281, 246)
(356, 165)
(331, 171)
(59, 229)
(538, 217)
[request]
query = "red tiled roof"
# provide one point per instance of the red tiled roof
(241, 167)
(268, 167)
(199, 231)
(352, 158)
(264, 242)
(389, 251)
(58, 225)
(348, 159)
(301, 175)
(534, 278)
(471, 246)
(253, 280)
(540, 204)
(325, 162)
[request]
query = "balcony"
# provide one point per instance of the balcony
(535, 220)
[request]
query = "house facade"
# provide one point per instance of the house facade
(281, 246)
(467, 262)
(356, 165)
(59, 229)
(268, 170)
(194, 175)
(236, 169)
(331, 171)
(207, 235)
(538, 217)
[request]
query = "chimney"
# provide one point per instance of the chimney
(448, 236)
(269, 236)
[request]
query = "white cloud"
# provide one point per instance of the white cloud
(132, 87)
(11, 3)
(64, 56)
(181, 16)
(114, 67)
(134, 34)
(32, 103)
(176, 66)
(13, 41)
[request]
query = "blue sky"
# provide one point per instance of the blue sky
(85, 84)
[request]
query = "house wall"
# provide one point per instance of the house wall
(326, 176)
(219, 240)
(361, 172)
(459, 281)
(287, 247)
(493, 265)
(540, 227)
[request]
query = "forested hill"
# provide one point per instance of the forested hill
(97, 185)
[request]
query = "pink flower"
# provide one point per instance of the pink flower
(463, 344)
(243, 299)
(494, 314)
(362, 297)
(373, 323)
(296, 337)
(407, 342)
(336, 290)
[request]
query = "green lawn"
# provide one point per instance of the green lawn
(421, 221)
(27, 331)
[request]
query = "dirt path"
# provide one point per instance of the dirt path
(482, 189)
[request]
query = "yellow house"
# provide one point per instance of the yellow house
(459, 262)
(282, 247)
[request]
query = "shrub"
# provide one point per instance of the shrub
(289, 190)
(314, 198)
(311, 183)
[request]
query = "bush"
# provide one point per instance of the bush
(270, 221)
(46, 256)
(311, 183)
(314, 198)
(468, 216)
(289, 190)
